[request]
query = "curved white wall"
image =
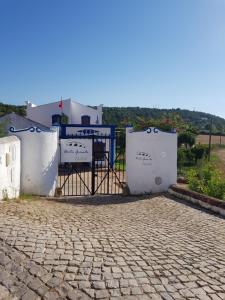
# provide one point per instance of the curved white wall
(39, 161)
(9, 167)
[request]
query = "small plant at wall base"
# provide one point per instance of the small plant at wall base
(27, 197)
(5, 195)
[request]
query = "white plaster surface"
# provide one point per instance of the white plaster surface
(39, 162)
(9, 167)
(151, 160)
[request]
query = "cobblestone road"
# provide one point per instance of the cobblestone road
(106, 248)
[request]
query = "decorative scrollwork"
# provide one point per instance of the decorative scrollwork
(156, 130)
(31, 129)
(152, 130)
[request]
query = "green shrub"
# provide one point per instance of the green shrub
(185, 157)
(216, 187)
(200, 151)
(181, 157)
(207, 180)
(194, 181)
(3, 129)
(65, 119)
(186, 138)
(190, 157)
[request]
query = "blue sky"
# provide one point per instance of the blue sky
(150, 53)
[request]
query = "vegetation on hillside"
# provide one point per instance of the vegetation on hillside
(2, 130)
(122, 116)
(8, 108)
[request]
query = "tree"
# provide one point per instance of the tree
(2, 130)
(166, 122)
(186, 138)
(64, 119)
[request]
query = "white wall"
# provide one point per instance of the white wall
(78, 110)
(9, 167)
(151, 160)
(43, 113)
(74, 111)
(39, 161)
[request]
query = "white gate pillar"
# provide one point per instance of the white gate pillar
(39, 160)
(151, 160)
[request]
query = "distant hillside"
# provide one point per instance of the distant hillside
(7, 108)
(128, 115)
(121, 116)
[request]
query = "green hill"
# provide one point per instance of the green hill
(128, 115)
(8, 108)
(122, 116)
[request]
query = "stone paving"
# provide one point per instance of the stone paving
(110, 248)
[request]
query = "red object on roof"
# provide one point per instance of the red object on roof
(61, 104)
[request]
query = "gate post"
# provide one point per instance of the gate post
(112, 149)
(93, 169)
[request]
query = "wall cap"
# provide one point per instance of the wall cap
(201, 197)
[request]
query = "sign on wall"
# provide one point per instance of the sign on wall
(101, 131)
(76, 150)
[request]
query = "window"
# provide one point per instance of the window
(85, 120)
(56, 119)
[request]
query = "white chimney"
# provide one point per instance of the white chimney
(99, 109)
(29, 104)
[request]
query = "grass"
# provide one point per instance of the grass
(218, 158)
(207, 177)
(27, 197)
(120, 165)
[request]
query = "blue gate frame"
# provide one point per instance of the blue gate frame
(87, 131)
(105, 174)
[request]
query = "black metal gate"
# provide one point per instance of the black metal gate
(105, 174)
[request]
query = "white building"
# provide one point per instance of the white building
(19, 122)
(76, 113)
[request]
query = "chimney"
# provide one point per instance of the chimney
(29, 104)
(99, 109)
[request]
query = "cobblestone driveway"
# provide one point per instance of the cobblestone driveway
(105, 248)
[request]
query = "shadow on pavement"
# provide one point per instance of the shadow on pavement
(102, 199)
(195, 206)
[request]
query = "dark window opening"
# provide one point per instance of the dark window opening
(56, 119)
(99, 150)
(85, 120)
